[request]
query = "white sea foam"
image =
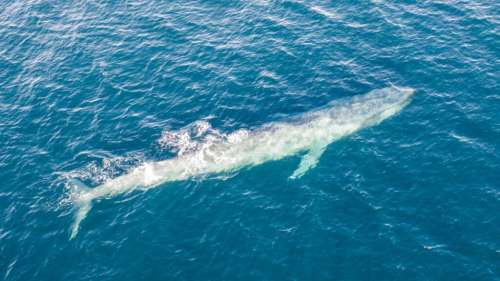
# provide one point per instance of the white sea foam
(203, 150)
(189, 138)
(326, 13)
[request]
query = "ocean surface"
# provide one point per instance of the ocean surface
(89, 90)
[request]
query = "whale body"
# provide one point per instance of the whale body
(308, 133)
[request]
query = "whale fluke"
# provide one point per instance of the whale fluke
(80, 194)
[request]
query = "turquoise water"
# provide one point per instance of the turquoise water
(91, 90)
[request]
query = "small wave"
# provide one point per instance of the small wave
(326, 13)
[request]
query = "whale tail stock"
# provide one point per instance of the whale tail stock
(82, 203)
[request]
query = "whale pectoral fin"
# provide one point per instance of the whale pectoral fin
(309, 161)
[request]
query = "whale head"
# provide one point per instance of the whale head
(381, 104)
(348, 115)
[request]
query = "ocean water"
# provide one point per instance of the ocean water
(90, 90)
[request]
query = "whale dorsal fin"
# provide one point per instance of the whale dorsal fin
(309, 160)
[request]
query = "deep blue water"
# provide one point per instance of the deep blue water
(88, 88)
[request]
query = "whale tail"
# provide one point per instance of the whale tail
(82, 202)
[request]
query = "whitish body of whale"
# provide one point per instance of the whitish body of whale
(308, 134)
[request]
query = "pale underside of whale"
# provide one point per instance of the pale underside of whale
(307, 134)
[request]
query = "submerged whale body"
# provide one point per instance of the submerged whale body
(308, 133)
